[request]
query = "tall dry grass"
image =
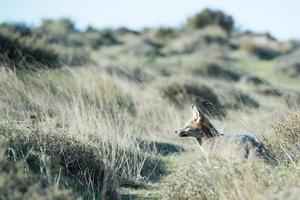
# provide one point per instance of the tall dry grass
(224, 178)
(86, 123)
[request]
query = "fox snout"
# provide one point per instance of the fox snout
(181, 133)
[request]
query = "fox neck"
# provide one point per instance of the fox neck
(210, 130)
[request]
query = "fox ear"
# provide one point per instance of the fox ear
(196, 113)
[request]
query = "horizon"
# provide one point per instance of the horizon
(271, 17)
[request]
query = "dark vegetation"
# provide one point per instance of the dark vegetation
(18, 49)
(17, 184)
(211, 17)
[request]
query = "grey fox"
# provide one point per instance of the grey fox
(210, 140)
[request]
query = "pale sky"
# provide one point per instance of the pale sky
(280, 17)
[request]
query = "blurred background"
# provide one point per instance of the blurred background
(280, 18)
(91, 93)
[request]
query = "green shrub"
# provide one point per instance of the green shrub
(292, 100)
(211, 17)
(229, 180)
(255, 80)
(193, 93)
(124, 31)
(24, 52)
(285, 139)
(262, 52)
(95, 39)
(289, 64)
(18, 28)
(263, 46)
(188, 183)
(135, 74)
(78, 161)
(215, 34)
(59, 28)
(17, 182)
(162, 32)
(233, 98)
(30, 48)
(214, 69)
(143, 47)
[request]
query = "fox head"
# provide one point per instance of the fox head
(198, 126)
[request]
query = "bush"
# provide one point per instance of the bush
(293, 100)
(19, 52)
(124, 31)
(235, 99)
(162, 33)
(74, 56)
(210, 38)
(78, 160)
(211, 17)
(292, 70)
(263, 46)
(215, 34)
(187, 184)
(264, 52)
(229, 180)
(261, 51)
(135, 74)
(143, 47)
(289, 64)
(254, 80)
(91, 169)
(193, 93)
(184, 44)
(42, 47)
(95, 39)
(214, 69)
(269, 91)
(19, 28)
(285, 141)
(16, 184)
(212, 102)
(59, 28)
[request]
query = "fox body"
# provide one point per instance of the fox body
(211, 141)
